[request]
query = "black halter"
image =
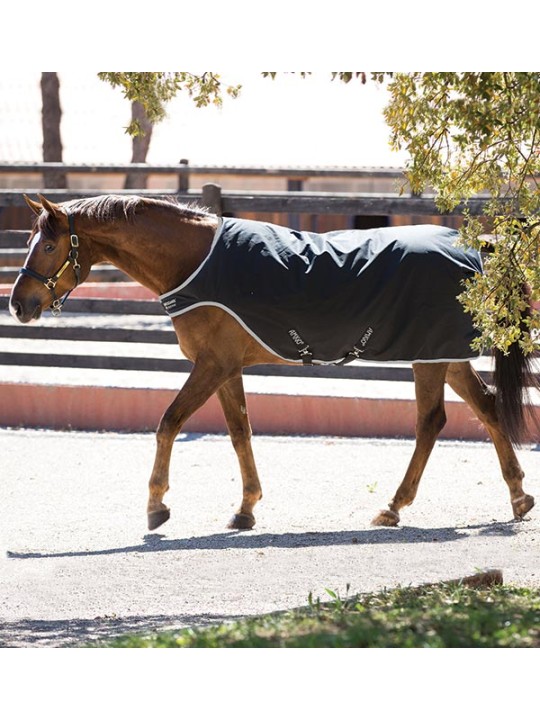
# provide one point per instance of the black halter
(50, 282)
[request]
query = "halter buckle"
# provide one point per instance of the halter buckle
(50, 284)
(74, 254)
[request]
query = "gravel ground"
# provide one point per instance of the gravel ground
(78, 564)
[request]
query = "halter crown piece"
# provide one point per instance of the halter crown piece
(50, 282)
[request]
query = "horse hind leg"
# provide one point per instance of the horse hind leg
(466, 382)
(430, 420)
(233, 401)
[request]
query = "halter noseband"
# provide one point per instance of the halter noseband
(50, 282)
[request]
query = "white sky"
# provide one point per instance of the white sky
(286, 121)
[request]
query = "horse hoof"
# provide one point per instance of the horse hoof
(241, 521)
(522, 505)
(386, 518)
(157, 518)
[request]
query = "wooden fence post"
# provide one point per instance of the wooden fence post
(183, 177)
(211, 198)
(294, 218)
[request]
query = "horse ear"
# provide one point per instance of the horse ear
(33, 205)
(50, 207)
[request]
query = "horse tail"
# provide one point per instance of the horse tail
(513, 375)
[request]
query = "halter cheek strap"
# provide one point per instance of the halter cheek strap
(51, 282)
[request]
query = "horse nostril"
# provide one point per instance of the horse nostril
(16, 308)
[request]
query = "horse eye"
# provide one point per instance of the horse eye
(48, 247)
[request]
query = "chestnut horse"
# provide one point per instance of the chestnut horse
(160, 244)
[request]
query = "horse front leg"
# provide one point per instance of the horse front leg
(233, 401)
(431, 418)
(204, 380)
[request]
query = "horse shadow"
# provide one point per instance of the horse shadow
(155, 542)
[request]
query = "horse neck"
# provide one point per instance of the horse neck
(159, 254)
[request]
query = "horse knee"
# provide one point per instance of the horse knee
(432, 423)
(438, 419)
(169, 426)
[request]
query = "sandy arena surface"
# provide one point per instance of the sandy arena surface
(78, 564)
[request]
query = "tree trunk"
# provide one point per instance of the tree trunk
(51, 115)
(140, 145)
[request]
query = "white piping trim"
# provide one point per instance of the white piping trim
(197, 270)
(438, 360)
(209, 303)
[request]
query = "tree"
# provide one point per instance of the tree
(149, 93)
(470, 133)
(51, 115)
(140, 144)
(153, 90)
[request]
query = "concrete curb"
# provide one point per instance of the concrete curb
(130, 409)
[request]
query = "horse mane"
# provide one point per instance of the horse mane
(107, 208)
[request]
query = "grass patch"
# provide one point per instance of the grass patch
(439, 616)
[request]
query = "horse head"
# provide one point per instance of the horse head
(52, 268)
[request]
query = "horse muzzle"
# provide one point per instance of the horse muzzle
(25, 309)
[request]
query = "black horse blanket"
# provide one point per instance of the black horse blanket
(387, 294)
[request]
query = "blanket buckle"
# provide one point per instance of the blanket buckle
(306, 355)
(352, 355)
